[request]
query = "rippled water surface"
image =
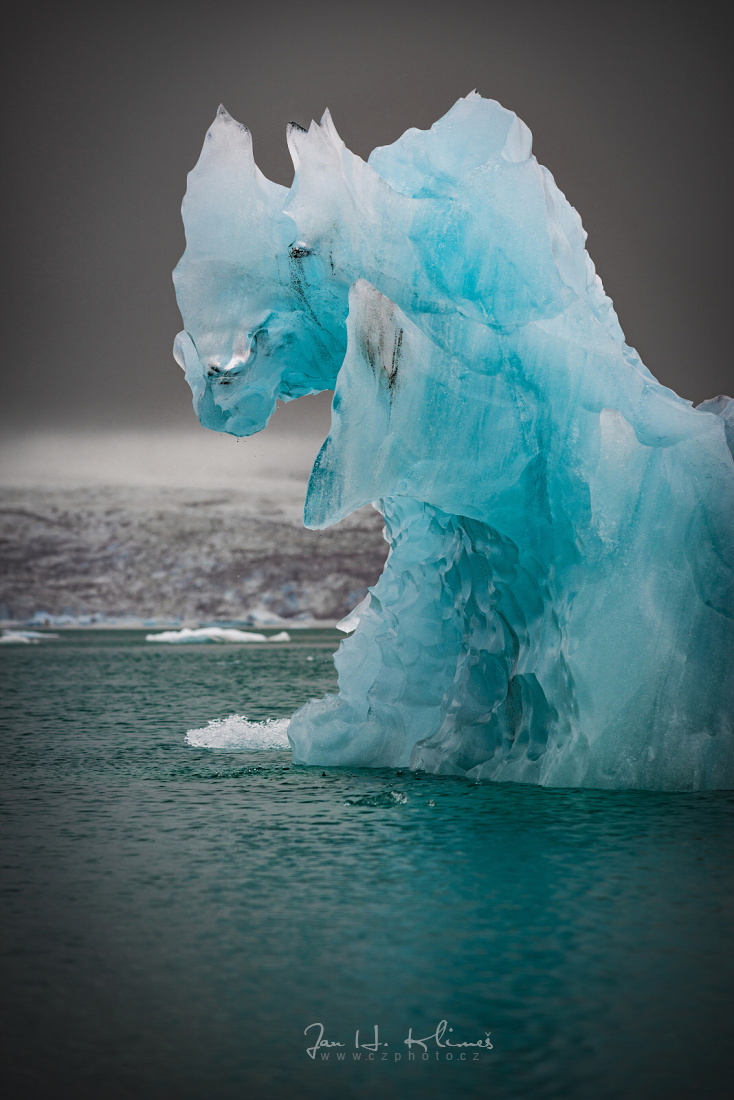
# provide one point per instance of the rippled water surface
(174, 916)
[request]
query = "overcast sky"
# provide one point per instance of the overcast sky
(107, 107)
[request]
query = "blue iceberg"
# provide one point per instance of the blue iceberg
(557, 606)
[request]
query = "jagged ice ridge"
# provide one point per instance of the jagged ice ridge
(556, 607)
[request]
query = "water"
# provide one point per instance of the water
(175, 916)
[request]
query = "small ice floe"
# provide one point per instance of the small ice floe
(237, 734)
(214, 634)
(23, 637)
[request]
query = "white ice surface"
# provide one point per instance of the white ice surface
(218, 634)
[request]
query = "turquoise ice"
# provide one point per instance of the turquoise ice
(557, 606)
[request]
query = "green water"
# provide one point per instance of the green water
(174, 918)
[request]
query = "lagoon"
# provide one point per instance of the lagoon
(175, 917)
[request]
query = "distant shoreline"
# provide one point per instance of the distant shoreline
(26, 624)
(122, 556)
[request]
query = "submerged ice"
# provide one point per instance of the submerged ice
(557, 604)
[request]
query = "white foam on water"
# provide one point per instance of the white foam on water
(237, 734)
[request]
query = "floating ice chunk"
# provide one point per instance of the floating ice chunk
(238, 734)
(214, 634)
(11, 637)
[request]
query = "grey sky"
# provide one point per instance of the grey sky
(107, 108)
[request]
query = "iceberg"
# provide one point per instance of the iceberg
(557, 605)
